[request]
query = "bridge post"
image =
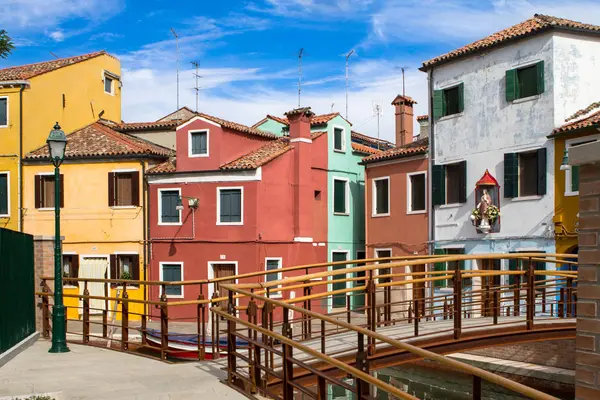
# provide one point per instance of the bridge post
(372, 311)
(86, 313)
(496, 306)
(362, 363)
(201, 333)
(125, 319)
(476, 388)
(288, 367)
(306, 318)
(569, 297)
(231, 340)
(45, 311)
(457, 303)
(530, 294)
(164, 325)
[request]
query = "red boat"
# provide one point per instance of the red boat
(185, 346)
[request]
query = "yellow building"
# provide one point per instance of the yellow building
(582, 127)
(103, 206)
(74, 91)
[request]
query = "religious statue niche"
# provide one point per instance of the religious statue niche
(486, 214)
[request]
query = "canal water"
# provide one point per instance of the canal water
(431, 382)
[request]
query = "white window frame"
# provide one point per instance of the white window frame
(44, 174)
(112, 84)
(347, 188)
(160, 206)
(343, 149)
(241, 188)
(374, 198)
(7, 111)
(160, 278)
(409, 209)
(568, 144)
(7, 173)
(190, 132)
(276, 295)
(211, 276)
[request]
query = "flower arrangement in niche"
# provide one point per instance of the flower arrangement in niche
(475, 214)
(492, 213)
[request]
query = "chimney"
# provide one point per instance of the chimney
(423, 121)
(404, 119)
(303, 189)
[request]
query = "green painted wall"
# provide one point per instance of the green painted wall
(272, 126)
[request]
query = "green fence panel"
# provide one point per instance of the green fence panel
(17, 300)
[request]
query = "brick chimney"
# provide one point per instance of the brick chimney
(404, 119)
(423, 121)
(303, 194)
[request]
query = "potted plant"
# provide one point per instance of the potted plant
(125, 275)
(492, 213)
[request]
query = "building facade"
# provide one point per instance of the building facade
(74, 91)
(494, 102)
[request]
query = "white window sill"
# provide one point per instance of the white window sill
(341, 214)
(46, 209)
(3, 126)
(230, 223)
(5, 216)
(527, 198)
(123, 207)
(380, 215)
(339, 151)
(316, 279)
(451, 224)
(276, 297)
(526, 99)
(416, 212)
(169, 223)
(566, 194)
(453, 205)
(128, 287)
(198, 155)
(451, 116)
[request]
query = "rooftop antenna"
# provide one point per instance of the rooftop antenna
(332, 104)
(54, 55)
(300, 73)
(196, 88)
(347, 57)
(377, 112)
(403, 110)
(177, 44)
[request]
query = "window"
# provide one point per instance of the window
(340, 196)
(416, 193)
(525, 174)
(198, 143)
(318, 195)
(125, 266)
(4, 195)
(449, 185)
(572, 174)
(70, 264)
(383, 253)
(44, 191)
(172, 272)
(123, 189)
(450, 266)
(230, 206)
(525, 82)
(339, 142)
(523, 265)
(448, 101)
(108, 85)
(3, 112)
(167, 207)
(339, 299)
(271, 264)
(381, 196)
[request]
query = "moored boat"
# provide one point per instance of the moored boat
(185, 346)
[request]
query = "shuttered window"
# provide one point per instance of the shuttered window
(70, 267)
(199, 143)
(525, 82)
(450, 266)
(338, 139)
(168, 207)
(3, 111)
(523, 265)
(230, 206)
(172, 273)
(381, 196)
(123, 189)
(271, 264)
(4, 194)
(525, 174)
(340, 201)
(449, 183)
(574, 179)
(339, 299)
(417, 193)
(449, 101)
(45, 189)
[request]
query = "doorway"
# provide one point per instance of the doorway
(221, 270)
(339, 300)
(95, 267)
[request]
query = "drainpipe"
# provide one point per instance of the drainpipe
(146, 225)
(20, 167)
(430, 167)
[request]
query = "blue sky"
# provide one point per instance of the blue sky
(247, 49)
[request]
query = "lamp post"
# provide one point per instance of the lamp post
(57, 142)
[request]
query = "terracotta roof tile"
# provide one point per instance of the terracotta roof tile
(383, 144)
(406, 99)
(166, 167)
(100, 141)
(423, 118)
(415, 148)
(259, 156)
(316, 120)
(31, 70)
(146, 126)
(591, 120)
(361, 148)
(237, 127)
(538, 23)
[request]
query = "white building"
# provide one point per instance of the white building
(493, 104)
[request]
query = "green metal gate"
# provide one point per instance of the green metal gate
(17, 302)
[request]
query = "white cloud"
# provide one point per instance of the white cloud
(57, 35)
(341, 9)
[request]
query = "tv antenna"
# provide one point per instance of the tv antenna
(197, 76)
(54, 55)
(347, 57)
(300, 53)
(332, 104)
(377, 112)
(402, 131)
(177, 44)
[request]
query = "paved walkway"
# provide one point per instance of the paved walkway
(92, 373)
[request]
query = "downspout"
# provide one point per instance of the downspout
(20, 167)
(430, 163)
(145, 226)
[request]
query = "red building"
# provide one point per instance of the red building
(237, 200)
(396, 191)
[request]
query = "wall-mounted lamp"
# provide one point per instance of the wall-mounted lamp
(565, 161)
(192, 203)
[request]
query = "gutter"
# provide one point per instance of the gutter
(430, 164)
(23, 84)
(146, 215)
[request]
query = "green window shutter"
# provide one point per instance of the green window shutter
(272, 264)
(3, 194)
(540, 77)
(339, 196)
(236, 205)
(540, 266)
(511, 85)
(462, 183)
(231, 205)
(169, 211)
(438, 103)
(511, 175)
(3, 112)
(438, 185)
(441, 266)
(461, 97)
(199, 140)
(574, 179)
(512, 266)
(172, 273)
(541, 171)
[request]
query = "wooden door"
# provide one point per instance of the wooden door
(339, 300)
(221, 271)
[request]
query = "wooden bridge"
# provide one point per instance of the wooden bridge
(320, 324)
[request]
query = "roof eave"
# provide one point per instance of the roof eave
(46, 160)
(394, 157)
(575, 131)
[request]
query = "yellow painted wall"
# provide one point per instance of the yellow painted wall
(83, 88)
(89, 226)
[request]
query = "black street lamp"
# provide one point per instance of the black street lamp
(57, 143)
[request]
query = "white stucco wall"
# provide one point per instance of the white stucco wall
(490, 127)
